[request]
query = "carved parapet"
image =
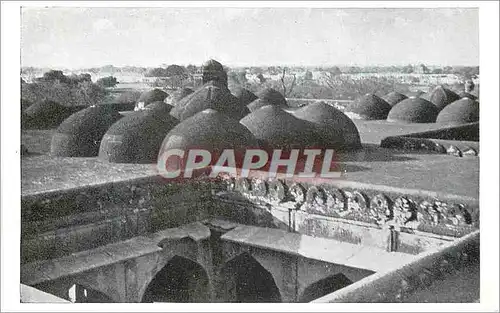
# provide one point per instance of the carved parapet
(397, 211)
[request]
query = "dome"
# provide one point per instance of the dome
(338, 130)
(128, 97)
(464, 94)
(273, 97)
(244, 95)
(441, 97)
(209, 96)
(152, 96)
(461, 111)
(414, 94)
(80, 134)
(277, 129)
(47, 114)
(136, 138)
(179, 94)
(209, 130)
(214, 71)
(257, 104)
(394, 97)
(159, 107)
(413, 110)
(369, 107)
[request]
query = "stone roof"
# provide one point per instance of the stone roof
(394, 97)
(273, 97)
(244, 95)
(369, 107)
(136, 138)
(128, 97)
(338, 130)
(442, 96)
(461, 111)
(212, 95)
(159, 107)
(214, 71)
(413, 110)
(46, 114)
(464, 94)
(277, 129)
(80, 134)
(151, 96)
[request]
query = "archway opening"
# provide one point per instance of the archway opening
(324, 286)
(181, 280)
(81, 294)
(247, 281)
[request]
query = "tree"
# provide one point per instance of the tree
(107, 82)
(308, 75)
(407, 69)
(437, 71)
(261, 78)
(157, 72)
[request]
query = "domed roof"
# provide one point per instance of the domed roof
(257, 104)
(338, 130)
(277, 129)
(461, 111)
(244, 95)
(128, 97)
(464, 94)
(136, 138)
(369, 107)
(159, 107)
(394, 97)
(413, 110)
(179, 94)
(47, 114)
(273, 97)
(80, 134)
(209, 96)
(442, 96)
(214, 71)
(152, 96)
(209, 130)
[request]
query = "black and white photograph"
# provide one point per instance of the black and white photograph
(321, 156)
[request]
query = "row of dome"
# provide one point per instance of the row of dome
(443, 106)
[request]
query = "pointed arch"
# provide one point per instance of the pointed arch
(324, 286)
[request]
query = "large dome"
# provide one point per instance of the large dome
(368, 107)
(136, 138)
(80, 134)
(152, 96)
(257, 104)
(394, 97)
(413, 110)
(209, 96)
(46, 114)
(277, 129)
(244, 95)
(464, 94)
(338, 130)
(461, 111)
(209, 130)
(159, 107)
(273, 97)
(442, 96)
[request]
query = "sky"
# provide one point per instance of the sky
(87, 37)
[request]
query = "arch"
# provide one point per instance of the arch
(180, 280)
(324, 286)
(246, 280)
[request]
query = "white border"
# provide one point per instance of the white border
(10, 162)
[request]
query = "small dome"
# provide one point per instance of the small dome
(277, 129)
(257, 104)
(461, 111)
(152, 96)
(136, 138)
(464, 94)
(179, 94)
(209, 96)
(126, 101)
(442, 96)
(159, 107)
(413, 110)
(369, 107)
(80, 134)
(209, 130)
(394, 97)
(338, 130)
(244, 95)
(273, 97)
(214, 71)
(414, 94)
(47, 114)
